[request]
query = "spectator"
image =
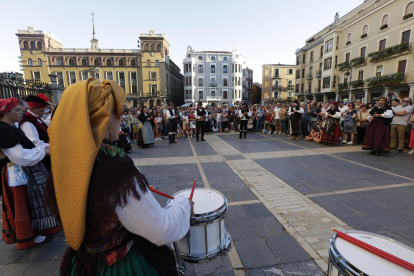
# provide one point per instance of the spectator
(349, 124)
(284, 120)
(189, 132)
(268, 120)
(295, 113)
(219, 117)
(342, 108)
(158, 123)
(276, 119)
(411, 140)
(259, 118)
(306, 119)
(331, 130)
(135, 127)
(362, 123)
(231, 115)
(402, 114)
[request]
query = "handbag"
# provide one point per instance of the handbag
(364, 125)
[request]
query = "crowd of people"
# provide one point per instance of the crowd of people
(326, 123)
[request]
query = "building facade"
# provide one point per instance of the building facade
(363, 55)
(278, 82)
(148, 75)
(257, 93)
(247, 85)
(213, 76)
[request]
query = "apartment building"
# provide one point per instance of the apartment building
(278, 82)
(247, 86)
(213, 76)
(148, 75)
(364, 55)
(257, 93)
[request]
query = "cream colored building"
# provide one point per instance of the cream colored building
(278, 82)
(148, 75)
(365, 54)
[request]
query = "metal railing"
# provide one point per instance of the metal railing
(21, 88)
(309, 76)
(213, 85)
(318, 73)
(213, 98)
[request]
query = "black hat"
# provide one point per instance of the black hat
(39, 101)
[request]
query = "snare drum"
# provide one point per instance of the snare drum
(347, 259)
(208, 235)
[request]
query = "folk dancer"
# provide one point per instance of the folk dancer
(172, 117)
(112, 222)
(201, 115)
(377, 136)
(26, 219)
(331, 130)
(34, 126)
(295, 113)
(244, 115)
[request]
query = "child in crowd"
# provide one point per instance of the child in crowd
(219, 117)
(189, 132)
(158, 125)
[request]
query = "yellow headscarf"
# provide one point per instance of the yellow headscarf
(76, 132)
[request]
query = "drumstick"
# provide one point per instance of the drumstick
(161, 193)
(192, 191)
(375, 250)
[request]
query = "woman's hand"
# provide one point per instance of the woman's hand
(191, 208)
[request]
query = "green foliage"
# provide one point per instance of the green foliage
(384, 27)
(390, 51)
(387, 80)
(357, 83)
(344, 66)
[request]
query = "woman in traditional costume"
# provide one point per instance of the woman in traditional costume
(145, 134)
(331, 131)
(112, 222)
(377, 136)
(295, 112)
(26, 219)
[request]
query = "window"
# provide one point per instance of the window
(36, 75)
(72, 76)
(298, 60)
(121, 76)
(303, 88)
(363, 51)
(39, 45)
(365, 30)
(121, 62)
(290, 82)
(379, 70)
(146, 47)
(152, 47)
(303, 58)
(327, 82)
(60, 78)
(84, 63)
(303, 73)
(290, 71)
(337, 42)
(224, 94)
(200, 82)
(361, 75)
(347, 57)
(25, 45)
(410, 8)
(297, 74)
(157, 63)
(382, 44)
(109, 76)
(39, 62)
(297, 88)
(336, 61)
(213, 68)
(224, 69)
(328, 63)
(224, 82)
(200, 57)
(406, 35)
(158, 48)
(108, 62)
(200, 94)
(134, 76)
(148, 63)
(276, 72)
(213, 58)
(153, 89)
(96, 62)
(30, 62)
(134, 89)
(32, 45)
(97, 76)
(153, 75)
(133, 62)
(84, 75)
(321, 51)
(385, 20)
(200, 68)
(329, 45)
(72, 62)
(224, 58)
(349, 39)
(401, 66)
(213, 93)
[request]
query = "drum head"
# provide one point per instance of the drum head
(205, 200)
(372, 264)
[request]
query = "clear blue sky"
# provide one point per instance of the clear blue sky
(266, 31)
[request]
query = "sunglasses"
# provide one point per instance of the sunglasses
(406, 101)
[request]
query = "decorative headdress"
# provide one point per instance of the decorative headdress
(7, 104)
(39, 101)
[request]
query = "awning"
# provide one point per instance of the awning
(186, 104)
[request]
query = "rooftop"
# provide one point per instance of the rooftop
(216, 52)
(285, 65)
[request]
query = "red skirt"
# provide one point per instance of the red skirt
(377, 136)
(17, 227)
(411, 139)
(331, 139)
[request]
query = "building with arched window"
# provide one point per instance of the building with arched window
(365, 54)
(129, 67)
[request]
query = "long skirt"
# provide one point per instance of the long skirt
(377, 136)
(411, 139)
(145, 135)
(172, 126)
(295, 126)
(331, 139)
(17, 221)
(132, 264)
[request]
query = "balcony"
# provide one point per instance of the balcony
(277, 88)
(317, 89)
(357, 83)
(290, 87)
(309, 76)
(311, 60)
(342, 86)
(213, 85)
(386, 80)
(213, 98)
(277, 76)
(344, 66)
(318, 73)
(321, 57)
(357, 62)
(390, 52)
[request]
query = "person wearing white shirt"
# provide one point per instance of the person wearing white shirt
(295, 113)
(173, 118)
(342, 108)
(201, 115)
(277, 118)
(331, 130)
(244, 115)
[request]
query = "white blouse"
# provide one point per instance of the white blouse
(31, 132)
(146, 218)
(24, 157)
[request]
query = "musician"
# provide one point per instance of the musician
(173, 117)
(244, 115)
(331, 130)
(201, 115)
(112, 221)
(295, 113)
(34, 126)
(26, 219)
(377, 136)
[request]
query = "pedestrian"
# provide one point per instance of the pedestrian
(259, 118)
(349, 124)
(331, 130)
(158, 123)
(201, 115)
(362, 123)
(402, 114)
(145, 135)
(245, 114)
(172, 117)
(295, 113)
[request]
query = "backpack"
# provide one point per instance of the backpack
(348, 121)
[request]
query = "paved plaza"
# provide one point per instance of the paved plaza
(284, 196)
